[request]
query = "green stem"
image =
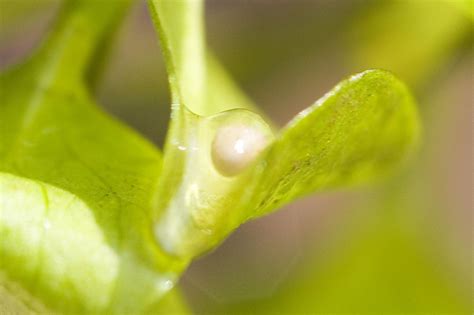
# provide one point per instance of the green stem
(181, 31)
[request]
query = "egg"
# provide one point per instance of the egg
(235, 147)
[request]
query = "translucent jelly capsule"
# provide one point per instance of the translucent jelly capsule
(209, 178)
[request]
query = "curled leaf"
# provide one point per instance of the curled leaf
(358, 131)
(76, 186)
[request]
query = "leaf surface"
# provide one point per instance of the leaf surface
(381, 263)
(77, 187)
(357, 132)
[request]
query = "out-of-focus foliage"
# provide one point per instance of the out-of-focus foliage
(12, 11)
(466, 5)
(410, 38)
(380, 266)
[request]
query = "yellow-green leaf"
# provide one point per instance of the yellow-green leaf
(76, 186)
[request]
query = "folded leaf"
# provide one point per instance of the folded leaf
(358, 131)
(197, 80)
(191, 193)
(77, 187)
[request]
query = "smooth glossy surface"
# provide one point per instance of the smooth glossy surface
(235, 147)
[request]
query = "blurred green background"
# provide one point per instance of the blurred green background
(399, 246)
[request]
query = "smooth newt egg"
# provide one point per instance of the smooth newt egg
(235, 147)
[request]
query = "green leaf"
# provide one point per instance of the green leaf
(77, 187)
(360, 130)
(357, 132)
